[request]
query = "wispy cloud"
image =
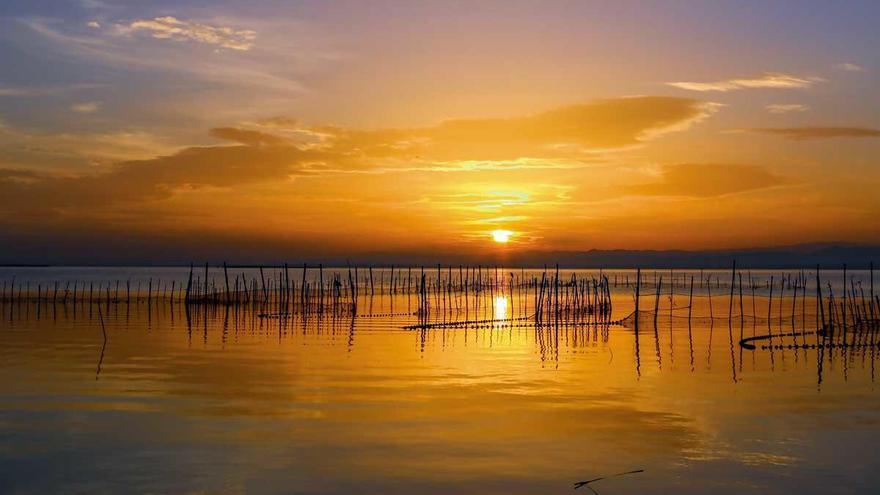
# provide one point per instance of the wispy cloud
(85, 107)
(172, 28)
(32, 91)
(117, 45)
(805, 133)
(566, 132)
(708, 180)
(849, 67)
(771, 80)
(786, 107)
(76, 149)
(248, 137)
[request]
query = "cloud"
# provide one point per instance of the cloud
(98, 5)
(772, 80)
(708, 180)
(33, 91)
(267, 70)
(11, 174)
(86, 107)
(553, 139)
(70, 150)
(279, 122)
(849, 67)
(154, 179)
(171, 28)
(786, 107)
(248, 137)
(805, 133)
(570, 131)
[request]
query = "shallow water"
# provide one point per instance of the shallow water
(218, 400)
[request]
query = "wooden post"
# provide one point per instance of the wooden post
(287, 293)
(820, 309)
(711, 309)
(843, 320)
(556, 292)
(638, 288)
(831, 310)
(539, 304)
(691, 301)
(872, 291)
(742, 312)
(321, 281)
(657, 300)
(732, 284)
(226, 276)
(781, 297)
(189, 283)
(302, 289)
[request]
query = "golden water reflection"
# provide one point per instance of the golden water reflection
(499, 307)
(220, 400)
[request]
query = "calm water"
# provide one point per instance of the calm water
(222, 401)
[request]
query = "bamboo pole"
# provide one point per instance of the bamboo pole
(226, 277)
(873, 315)
(820, 306)
(732, 284)
(657, 300)
(691, 301)
(189, 283)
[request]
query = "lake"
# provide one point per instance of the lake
(146, 394)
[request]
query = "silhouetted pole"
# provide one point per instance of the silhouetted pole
(638, 289)
(872, 291)
(732, 284)
(189, 283)
(657, 300)
(226, 277)
(691, 301)
(819, 305)
(843, 307)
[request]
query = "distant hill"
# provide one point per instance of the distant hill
(138, 250)
(828, 255)
(805, 255)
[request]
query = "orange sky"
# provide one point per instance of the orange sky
(429, 129)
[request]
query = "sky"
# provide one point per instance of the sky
(282, 128)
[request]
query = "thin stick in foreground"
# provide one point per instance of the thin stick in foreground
(103, 345)
(580, 484)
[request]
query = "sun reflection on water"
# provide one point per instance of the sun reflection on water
(500, 307)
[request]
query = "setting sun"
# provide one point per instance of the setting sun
(501, 236)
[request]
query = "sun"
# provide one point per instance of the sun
(501, 236)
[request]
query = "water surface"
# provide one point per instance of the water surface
(219, 400)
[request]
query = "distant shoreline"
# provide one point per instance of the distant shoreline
(824, 267)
